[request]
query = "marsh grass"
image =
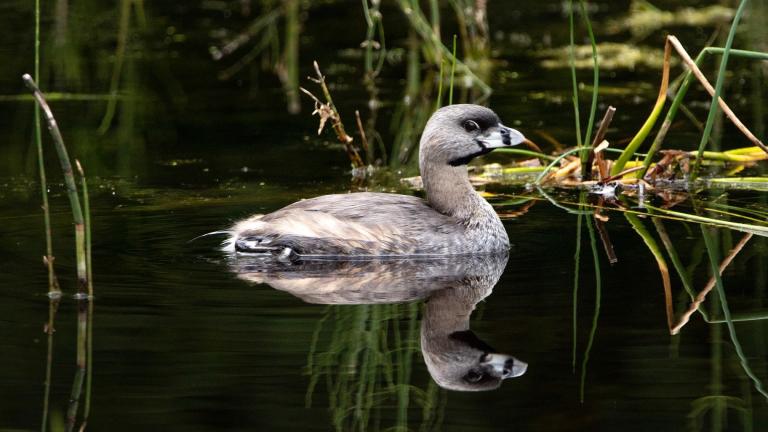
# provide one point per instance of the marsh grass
(749, 221)
(434, 49)
(700, 158)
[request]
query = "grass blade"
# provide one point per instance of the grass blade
(713, 108)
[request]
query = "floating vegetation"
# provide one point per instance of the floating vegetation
(612, 56)
(644, 18)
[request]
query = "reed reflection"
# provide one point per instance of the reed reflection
(456, 358)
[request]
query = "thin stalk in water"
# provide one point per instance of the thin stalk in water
(53, 283)
(69, 181)
(89, 326)
(53, 306)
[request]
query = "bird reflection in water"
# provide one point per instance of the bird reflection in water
(452, 286)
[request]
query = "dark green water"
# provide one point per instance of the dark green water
(182, 343)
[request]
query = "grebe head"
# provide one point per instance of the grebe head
(456, 134)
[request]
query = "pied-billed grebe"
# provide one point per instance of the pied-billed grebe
(454, 219)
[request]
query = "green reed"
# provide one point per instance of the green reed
(595, 84)
(375, 24)
(123, 29)
(714, 106)
(82, 253)
(291, 54)
(53, 285)
(574, 82)
(69, 181)
(89, 325)
(432, 45)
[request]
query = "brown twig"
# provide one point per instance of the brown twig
(363, 139)
(327, 111)
(599, 137)
(703, 80)
(710, 284)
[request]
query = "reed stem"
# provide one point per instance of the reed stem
(291, 54)
(53, 284)
(114, 83)
(572, 62)
(89, 325)
(645, 129)
(69, 181)
(713, 107)
(595, 85)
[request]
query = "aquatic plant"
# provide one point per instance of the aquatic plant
(84, 294)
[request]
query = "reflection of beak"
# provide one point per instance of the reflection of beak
(506, 366)
(501, 136)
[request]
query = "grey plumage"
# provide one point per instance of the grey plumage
(454, 219)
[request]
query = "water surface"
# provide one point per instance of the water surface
(182, 343)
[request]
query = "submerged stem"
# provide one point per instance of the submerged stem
(598, 292)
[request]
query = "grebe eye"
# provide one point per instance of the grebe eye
(471, 126)
(473, 376)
